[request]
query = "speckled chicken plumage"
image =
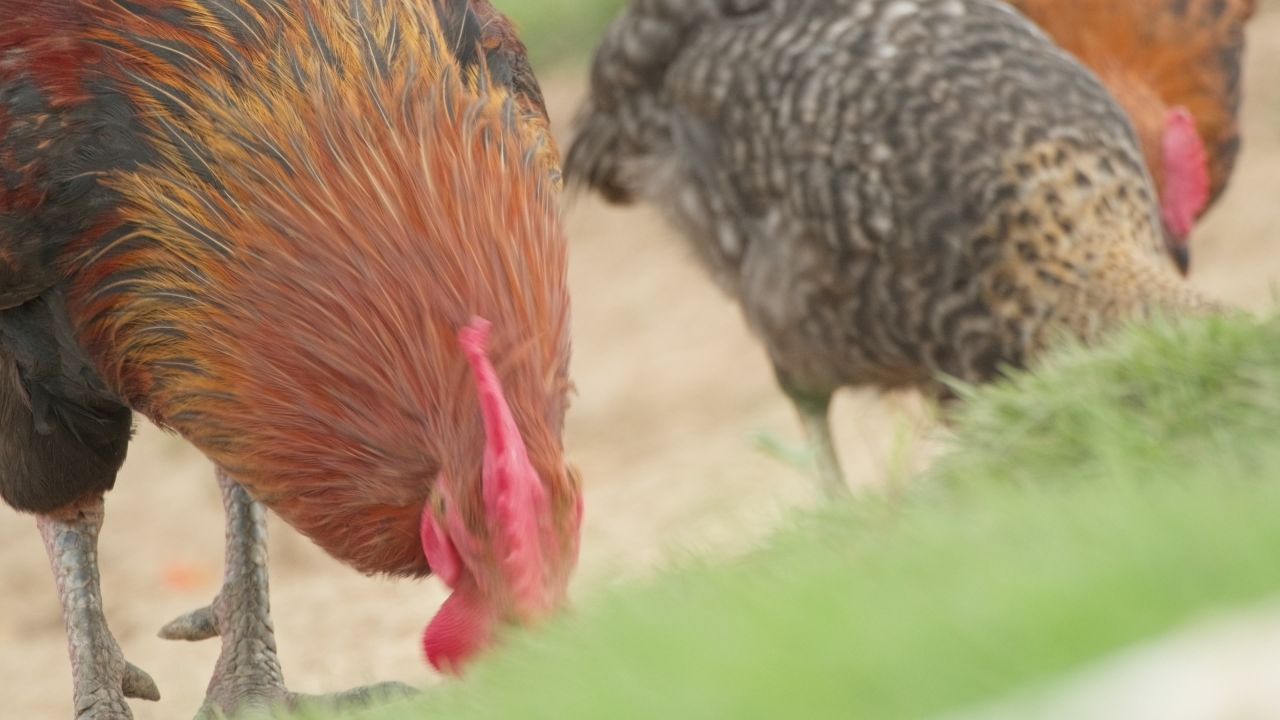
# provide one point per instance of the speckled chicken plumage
(893, 189)
(1154, 54)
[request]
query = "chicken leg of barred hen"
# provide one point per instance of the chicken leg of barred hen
(102, 678)
(248, 672)
(815, 411)
(817, 428)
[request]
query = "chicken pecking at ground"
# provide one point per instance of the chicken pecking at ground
(296, 232)
(893, 190)
(1175, 67)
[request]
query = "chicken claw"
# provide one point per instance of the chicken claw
(102, 678)
(136, 683)
(196, 625)
(248, 673)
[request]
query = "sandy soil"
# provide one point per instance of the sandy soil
(672, 396)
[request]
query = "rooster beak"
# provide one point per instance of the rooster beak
(1181, 258)
(1179, 249)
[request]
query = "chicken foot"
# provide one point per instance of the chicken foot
(248, 672)
(102, 678)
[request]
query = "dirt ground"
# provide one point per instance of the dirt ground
(673, 396)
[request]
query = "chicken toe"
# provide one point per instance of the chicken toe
(102, 678)
(196, 625)
(248, 673)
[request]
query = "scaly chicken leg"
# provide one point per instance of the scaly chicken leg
(101, 676)
(248, 671)
(814, 414)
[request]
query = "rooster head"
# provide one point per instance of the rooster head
(511, 564)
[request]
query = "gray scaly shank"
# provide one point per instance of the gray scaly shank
(248, 672)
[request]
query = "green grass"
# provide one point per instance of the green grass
(559, 30)
(1106, 499)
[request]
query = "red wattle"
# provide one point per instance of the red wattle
(462, 627)
(1186, 173)
(440, 551)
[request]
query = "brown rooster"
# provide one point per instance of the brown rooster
(893, 189)
(320, 241)
(1175, 67)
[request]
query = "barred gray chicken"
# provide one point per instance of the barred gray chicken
(894, 190)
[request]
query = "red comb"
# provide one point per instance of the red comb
(514, 500)
(513, 494)
(1186, 172)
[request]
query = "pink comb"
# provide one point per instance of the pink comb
(513, 494)
(514, 500)
(1186, 172)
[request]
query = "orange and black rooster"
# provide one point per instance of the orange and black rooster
(1175, 67)
(321, 242)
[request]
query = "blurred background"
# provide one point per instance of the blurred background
(678, 429)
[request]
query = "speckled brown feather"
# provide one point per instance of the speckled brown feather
(1157, 54)
(892, 189)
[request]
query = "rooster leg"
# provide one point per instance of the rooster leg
(814, 415)
(248, 671)
(101, 676)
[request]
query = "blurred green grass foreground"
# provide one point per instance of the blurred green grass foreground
(1109, 497)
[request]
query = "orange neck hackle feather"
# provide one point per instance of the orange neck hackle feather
(332, 196)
